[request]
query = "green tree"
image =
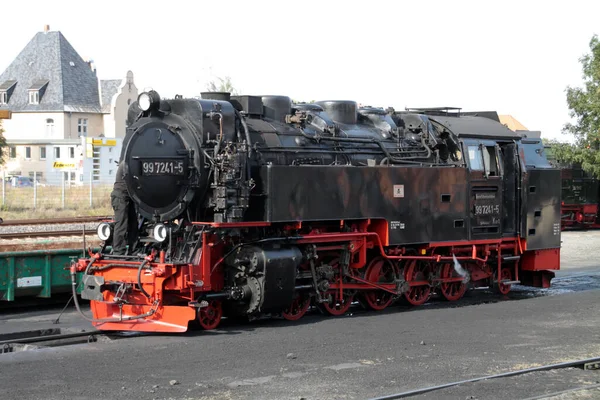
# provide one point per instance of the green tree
(222, 85)
(2, 144)
(584, 107)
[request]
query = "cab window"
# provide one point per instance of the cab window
(490, 160)
(475, 159)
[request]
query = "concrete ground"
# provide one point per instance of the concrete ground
(362, 355)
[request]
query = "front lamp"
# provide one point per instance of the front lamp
(159, 232)
(148, 100)
(104, 231)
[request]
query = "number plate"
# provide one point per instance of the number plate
(163, 167)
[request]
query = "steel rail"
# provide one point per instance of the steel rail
(548, 367)
(47, 338)
(26, 235)
(51, 221)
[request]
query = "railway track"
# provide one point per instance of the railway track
(52, 221)
(32, 235)
(588, 363)
(48, 227)
(18, 341)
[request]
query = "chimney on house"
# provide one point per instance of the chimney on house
(90, 63)
(46, 28)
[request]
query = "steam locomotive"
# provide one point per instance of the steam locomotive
(255, 206)
(580, 199)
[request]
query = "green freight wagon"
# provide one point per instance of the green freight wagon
(40, 273)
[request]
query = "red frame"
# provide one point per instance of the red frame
(175, 289)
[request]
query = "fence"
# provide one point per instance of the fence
(32, 199)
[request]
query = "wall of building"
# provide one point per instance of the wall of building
(95, 125)
(69, 160)
(34, 126)
(101, 160)
(78, 161)
(115, 122)
(23, 166)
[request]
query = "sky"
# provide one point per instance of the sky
(514, 57)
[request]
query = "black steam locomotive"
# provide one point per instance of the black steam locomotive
(252, 205)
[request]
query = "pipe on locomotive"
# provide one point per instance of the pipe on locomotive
(74, 284)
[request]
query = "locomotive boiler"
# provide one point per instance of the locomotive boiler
(253, 205)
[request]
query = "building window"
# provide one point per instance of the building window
(13, 152)
(71, 152)
(34, 97)
(3, 98)
(42, 153)
(73, 177)
(49, 127)
(57, 152)
(110, 171)
(28, 152)
(82, 125)
(36, 175)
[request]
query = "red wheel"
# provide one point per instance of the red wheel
(338, 305)
(298, 308)
(505, 274)
(209, 317)
(451, 291)
(414, 272)
(379, 270)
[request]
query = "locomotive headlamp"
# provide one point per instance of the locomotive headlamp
(148, 100)
(104, 231)
(159, 232)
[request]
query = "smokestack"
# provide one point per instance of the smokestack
(46, 28)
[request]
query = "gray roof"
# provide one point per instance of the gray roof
(7, 85)
(72, 85)
(108, 88)
(472, 126)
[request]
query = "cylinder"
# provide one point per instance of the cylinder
(308, 107)
(277, 107)
(342, 111)
(223, 96)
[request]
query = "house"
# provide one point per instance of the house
(58, 103)
(511, 123)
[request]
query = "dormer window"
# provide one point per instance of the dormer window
(6, 90)
(36, 91)
(34, 97)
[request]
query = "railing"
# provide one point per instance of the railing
(32, 198)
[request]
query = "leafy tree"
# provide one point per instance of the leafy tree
(223, 85)
(584, 106)
(2, 144)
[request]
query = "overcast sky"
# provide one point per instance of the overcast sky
(515, 57)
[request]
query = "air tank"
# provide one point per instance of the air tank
(342, 111)
(277, 107)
